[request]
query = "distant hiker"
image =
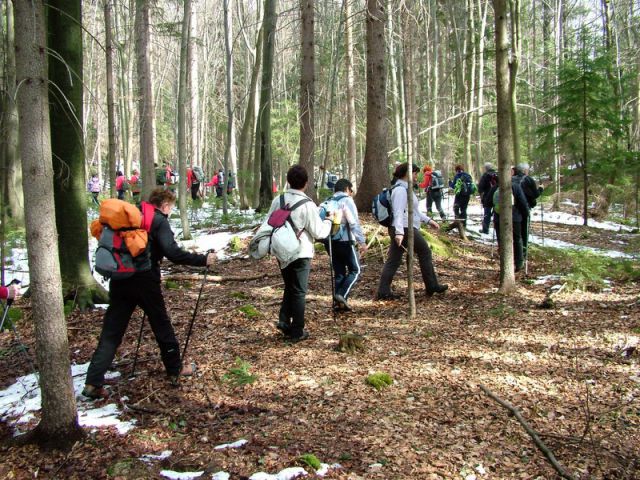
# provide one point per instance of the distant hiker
(426, 179)
(231, 183)
(531, 192)
(345, 256)
(274, 185)
(295, 273)
(398, 233)
(195, 176)
(10, 292)
(219, 183)
(143, 289)
(463, 187)
(136, 185)
(486, 186)
(519, 213)
(120, 187)
(94, 188)
(436, 194)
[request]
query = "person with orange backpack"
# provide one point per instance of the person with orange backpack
(137, 282)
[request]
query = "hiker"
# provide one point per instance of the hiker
(136, 185)
(231, 183)
(120, 187)
(94, 188)
(486, 186)
(143, 289)
(219, 184)
(193, 182)
(519, 212)
(531, 192)
(398, 233)
(344, 256)
(12, 292)
(463, 187)
(426, 179)
(295, 273)
(435, 194)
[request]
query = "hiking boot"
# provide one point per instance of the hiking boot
(188, 370)
(438, 289)
(341, 303)
(283, 327)
(304, 336)
(94, 393)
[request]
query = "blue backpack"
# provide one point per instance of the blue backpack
(381, 207)
(332, 204)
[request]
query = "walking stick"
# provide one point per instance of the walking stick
(135, 357)
(195, 311)
(542, 220)
(526, 251)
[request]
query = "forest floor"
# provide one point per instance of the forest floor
(568, 369)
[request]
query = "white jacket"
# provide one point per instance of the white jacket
(306, 218)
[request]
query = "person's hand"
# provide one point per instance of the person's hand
(14, 291)
(399, 239)
(363, 249)
(435, 225)
(211, 259)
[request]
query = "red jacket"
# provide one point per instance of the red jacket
(4, 293)
(133, 181)
(119, 182)
(214, 181)
(426, 180)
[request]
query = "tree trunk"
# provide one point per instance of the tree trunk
(266, 171)
(111, 118)
(505, 147)
(230, 147)
(398, 113)
(13, 201)
(65, 39)
(145, 99)
(409, 77)
(245, 183)
(480, 113)
(471, 79)
(193, 87)
(351, 102)
(514, 6)
(585, 171)
(58, 427)
(374, 172)
(182, 121)
(307, 92)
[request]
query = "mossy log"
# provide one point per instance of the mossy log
(350, 343)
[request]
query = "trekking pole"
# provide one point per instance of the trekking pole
(195, 310)
(542, 220)
(526, 251)
(135, 357)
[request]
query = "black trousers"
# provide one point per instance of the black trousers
(437, 199)
(141, 290)
(518, 248)
(421, 249)
(460, 204)
(346, 266)
(195, 189)
(296, 282)
(486, 218)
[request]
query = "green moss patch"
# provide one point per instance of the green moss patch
(379, 380)
(310, 460)
(250, 311)
(239, 375)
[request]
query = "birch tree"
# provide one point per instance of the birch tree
(182, 120)
(307, 91)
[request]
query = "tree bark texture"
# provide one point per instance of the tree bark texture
(351, 102)
(13, 198)
(65, 103)
(182, 121)
(230, 147)
(375, 173)
(505, 146)
(266, 171)
(59, 422)
(111, 116)
(307, 91)
(145, 99)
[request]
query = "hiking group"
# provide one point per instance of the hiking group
(132, 242)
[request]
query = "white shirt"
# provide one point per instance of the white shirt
(399, 206)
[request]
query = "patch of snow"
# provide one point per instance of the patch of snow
(375, 466)
(180, 475)
(480, 469)
(220, 476)
(286, 474)
(20, 400)
(214, 241)
(151, 457)
(546, 278)
(569, 219)
(549, 242)
(567, 201)
(236, 444)
(325, 468)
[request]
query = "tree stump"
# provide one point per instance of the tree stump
(350, 343)
(459, 224)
